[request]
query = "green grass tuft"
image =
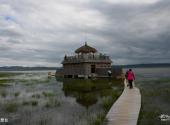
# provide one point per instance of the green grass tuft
(52, 103)
(17, 94)
(3, 94)
(98, 120)
(11, 107)
(25, 103)
(34, 103)
(107, 103)
(38, 96)
(47, 93)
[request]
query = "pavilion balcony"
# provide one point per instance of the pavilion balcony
(86, 58)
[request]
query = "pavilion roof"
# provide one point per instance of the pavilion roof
(86, 49)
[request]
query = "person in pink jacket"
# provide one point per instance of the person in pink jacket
(130, 78)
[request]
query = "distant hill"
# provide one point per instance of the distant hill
(21, 68)
(151, 65)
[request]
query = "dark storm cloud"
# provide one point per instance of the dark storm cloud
(43, 32)
(8, 32)
(142, 30)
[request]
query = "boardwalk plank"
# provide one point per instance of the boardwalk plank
(125, 110)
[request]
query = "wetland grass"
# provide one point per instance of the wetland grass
(16, 94)
(52, 103)
(48, 93)
(11, 107)
(37, 96)
(78, 94)
(5, 82)
(34, 102)
(44, 121)
(8, 74)
(31, 102)
(3, 93)
(24, 103)
(155, 101)
(107, 103)
(98, 120)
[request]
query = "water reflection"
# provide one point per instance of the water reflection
(88, 92)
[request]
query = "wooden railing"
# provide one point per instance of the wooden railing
(86, 58)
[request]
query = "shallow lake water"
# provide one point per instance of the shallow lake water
(33, 98)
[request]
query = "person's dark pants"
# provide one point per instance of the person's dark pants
(130, 83)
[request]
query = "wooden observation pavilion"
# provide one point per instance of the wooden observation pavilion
(86, 63)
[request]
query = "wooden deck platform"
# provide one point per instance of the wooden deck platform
(125, 110)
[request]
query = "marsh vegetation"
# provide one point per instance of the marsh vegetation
(154, 84)
(34, 99)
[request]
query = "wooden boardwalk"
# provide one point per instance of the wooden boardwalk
(126, 109)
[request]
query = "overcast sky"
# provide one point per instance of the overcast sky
(41, 32)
